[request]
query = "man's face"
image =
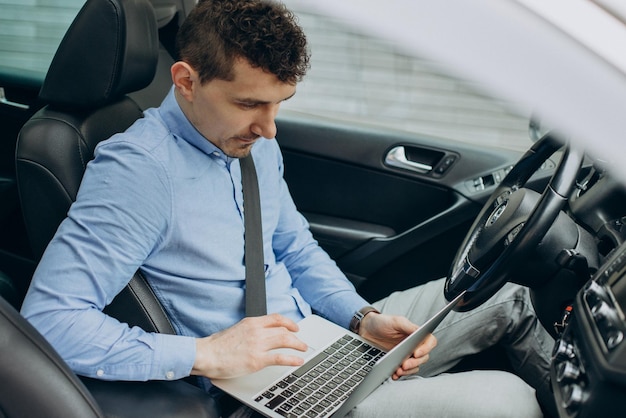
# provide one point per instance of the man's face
(234, 114)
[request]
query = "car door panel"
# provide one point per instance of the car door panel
(388, 227)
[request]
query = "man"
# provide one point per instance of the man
(183, 227)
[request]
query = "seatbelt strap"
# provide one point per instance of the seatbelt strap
(256, 304)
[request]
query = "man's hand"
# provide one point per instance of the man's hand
(388, 330)
(247, 347)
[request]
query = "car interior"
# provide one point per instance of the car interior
(394, 209)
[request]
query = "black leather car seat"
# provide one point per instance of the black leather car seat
(36, 382)
(109, 51)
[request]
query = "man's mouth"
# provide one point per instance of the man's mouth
(247, 139)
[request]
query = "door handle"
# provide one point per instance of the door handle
(396, 157)
(5, 101)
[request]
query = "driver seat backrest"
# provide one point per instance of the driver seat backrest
(36, 382)
(110, 50)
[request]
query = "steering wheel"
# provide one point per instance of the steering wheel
(510, 225)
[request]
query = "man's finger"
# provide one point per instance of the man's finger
(281, 359)
(426, 346)
(277, 320)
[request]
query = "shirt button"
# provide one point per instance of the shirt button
(100, 373)
(169, 375)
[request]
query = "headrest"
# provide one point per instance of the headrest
(110, 49)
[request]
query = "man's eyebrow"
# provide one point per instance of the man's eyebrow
(261, 102)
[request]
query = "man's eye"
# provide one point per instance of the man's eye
(247, 105)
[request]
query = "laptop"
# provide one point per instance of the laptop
(340, 370)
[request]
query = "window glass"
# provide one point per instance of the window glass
(30, 31)
(355, 76)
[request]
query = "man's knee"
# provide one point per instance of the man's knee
(506, 395)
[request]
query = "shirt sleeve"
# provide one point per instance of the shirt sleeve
(316, 276)
(120, 215)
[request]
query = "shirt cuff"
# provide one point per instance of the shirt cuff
(174, 357)
(344, 308)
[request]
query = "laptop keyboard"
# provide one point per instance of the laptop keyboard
(319, 387)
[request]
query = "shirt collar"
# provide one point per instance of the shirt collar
(181, 127)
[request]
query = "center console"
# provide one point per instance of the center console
(589, 360)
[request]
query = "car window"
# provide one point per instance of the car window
(355, 76)
(30, 32)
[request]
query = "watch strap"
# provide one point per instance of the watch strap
(355, 322)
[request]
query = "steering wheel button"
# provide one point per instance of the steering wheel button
(511, 236)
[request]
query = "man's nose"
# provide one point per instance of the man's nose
(265, 124)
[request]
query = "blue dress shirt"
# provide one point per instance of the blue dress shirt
(163, 199)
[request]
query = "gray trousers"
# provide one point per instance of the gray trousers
(508, 318)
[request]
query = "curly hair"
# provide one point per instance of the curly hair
(264, 32)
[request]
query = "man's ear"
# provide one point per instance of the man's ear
(184, 77)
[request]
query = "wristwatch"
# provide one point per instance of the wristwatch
(355, 322)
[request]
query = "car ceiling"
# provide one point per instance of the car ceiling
(516, 51)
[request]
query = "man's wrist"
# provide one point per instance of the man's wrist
(357, 319)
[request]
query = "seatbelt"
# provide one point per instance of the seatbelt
(256, 304)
